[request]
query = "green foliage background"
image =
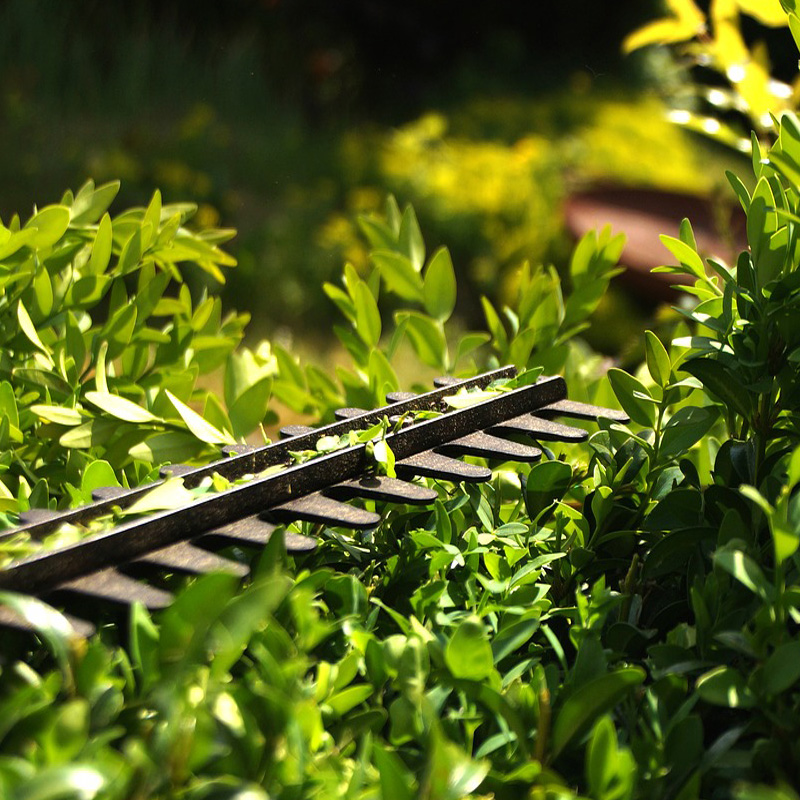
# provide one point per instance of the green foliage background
(618, 620)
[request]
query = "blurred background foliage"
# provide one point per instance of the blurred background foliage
(286, 118)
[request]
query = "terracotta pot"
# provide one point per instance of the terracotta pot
(642, 215)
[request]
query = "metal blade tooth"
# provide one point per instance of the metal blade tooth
(349, 413)
(399, 397)
(434, 465)
(253, 531)
(176, 470)
(11, 619)
(318, 508)
(445, 380)
(186, 558)
(542, 429)
(35, 515)
(487, 446)
(570, 408)
(109, 492)
(113, 586)
(238, 449)
(295, 430)
(390, 490)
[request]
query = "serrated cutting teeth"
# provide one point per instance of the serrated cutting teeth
(318, 508)
(112, 586)
(544, 430)
(442, 468)
(485, 445)
(190, 560)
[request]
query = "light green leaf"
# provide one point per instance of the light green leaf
(427, 338)
(410, 239)
(101, 249)
(468, 654)
(658, 363)
(202, 429)
(398, 274)
(29, 329)
(745, 570)
(121, 408)
(170, 493)
(61, 415)
(625, 387)
(51, 224)
(440, 286)
(368, 317)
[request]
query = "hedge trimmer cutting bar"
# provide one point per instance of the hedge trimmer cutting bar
(423, 435)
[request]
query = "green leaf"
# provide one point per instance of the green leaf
(60, 415)
(745, 570)
(468, 654)
(687, 256)
(51, 224)
(131, 255)
(97, 475)
(721, 382)
(625, 387)
(172, 447)
(546, 482)
(410, 239)
(170, 493)
(101, 249)
(452, 774)
(725, 686)
(64, 782)
(52, 626)
(782, 669)
(686, 427)
(591, 701)
(88, 291)
(397, 781)
(440, 286)
(202, 429)
(250, 407)
(427, 338)
(91, 434)
(91, 202)
(398, 274)
(368, 318)
(658, 363)
(347, 699)
(495, 325)
(121, 408)
(29, 329)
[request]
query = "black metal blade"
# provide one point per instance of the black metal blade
(190, 560)
(349, 413)
(109, 492)
(485, 445)
(287, 431)
(442, 468)
(389, 490)
(399, 397)
(110, 585)
(318, 508)
(253, 531)
(542, 429)
(36, 515)
(573, 410)
(176, 470)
